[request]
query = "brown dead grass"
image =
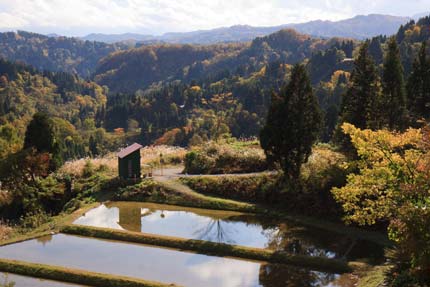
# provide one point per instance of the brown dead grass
(5, 231)
(149, 155)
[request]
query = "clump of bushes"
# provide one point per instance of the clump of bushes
(72, 205)
(34, 219)
(88, 169)
(326, 168)
(216, 159)
(138, 192)
(261, 188)
(311, 194)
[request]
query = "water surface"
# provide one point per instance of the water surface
(164, 265)
(229, 227)
(14, 280)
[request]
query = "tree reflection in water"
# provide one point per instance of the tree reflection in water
(44, 239)
(214, 231)
(308, 241)
(240, 228)
(278, 275)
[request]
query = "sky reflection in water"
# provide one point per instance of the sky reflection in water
(227, 227)
(163, 265)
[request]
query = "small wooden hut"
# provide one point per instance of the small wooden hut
(129, 162)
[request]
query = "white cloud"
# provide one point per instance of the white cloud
(78, 17)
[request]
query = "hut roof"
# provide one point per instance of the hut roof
(128, 150)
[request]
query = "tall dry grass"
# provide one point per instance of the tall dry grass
(5, 231)
(75, 167)
(109, 162)
(151, 154)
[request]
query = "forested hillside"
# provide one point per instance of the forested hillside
(181, 94)
(138, 68)
(128, 71)
(55, 53)
(75, 106)
(320, 132)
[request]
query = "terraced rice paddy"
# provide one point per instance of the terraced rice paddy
(158, 264)
(228, 227)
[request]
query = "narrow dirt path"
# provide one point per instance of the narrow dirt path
(176, 172)
(170, 179)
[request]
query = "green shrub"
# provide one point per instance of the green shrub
(261, 188)
(33, 219)
(138, 192)
(88, 169)
(72, 205)
(311, 195)
(224, 158)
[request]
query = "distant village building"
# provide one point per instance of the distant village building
(129, 162)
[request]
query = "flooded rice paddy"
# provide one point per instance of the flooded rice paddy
(13, 280)
(163, 265)
(229, 227)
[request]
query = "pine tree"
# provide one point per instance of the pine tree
(375, 50)
(40, 136)
(394, 93)
(419, 86)
(361, 103)
(293, 124)
(93, 147)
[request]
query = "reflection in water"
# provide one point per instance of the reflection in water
(193, 223)
(276, 275)
(163, 265)
(44, 239)
(129, 219)
(228, 227)
(13, 280)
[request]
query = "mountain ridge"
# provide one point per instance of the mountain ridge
(357, 27)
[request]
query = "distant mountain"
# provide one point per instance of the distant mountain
(359, 27)
(54, 35)
(420, 15)
(112, 38)
(238, 33)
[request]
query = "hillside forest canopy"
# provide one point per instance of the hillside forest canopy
(365, 101)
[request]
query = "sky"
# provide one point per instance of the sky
(81, 17)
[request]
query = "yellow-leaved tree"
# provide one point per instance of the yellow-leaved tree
(393, 185)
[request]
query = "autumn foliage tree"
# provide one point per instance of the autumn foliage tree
(393, 186)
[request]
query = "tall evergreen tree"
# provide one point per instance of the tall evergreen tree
(361, 103)
(293, 124)
(94, 150)
(394, 92)
(419, 86)
(375, 50)
(40, 135)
